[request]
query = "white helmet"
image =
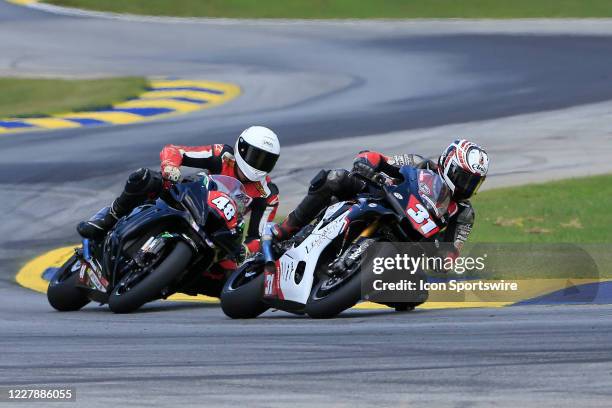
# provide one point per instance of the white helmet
(463, 165)
(257, 150)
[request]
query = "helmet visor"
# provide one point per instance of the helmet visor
(255, 157)
(466, 183)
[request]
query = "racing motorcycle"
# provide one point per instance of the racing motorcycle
(160, 248)
(317, 272)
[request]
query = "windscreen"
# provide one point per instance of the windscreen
(434, 192)
(233, 188)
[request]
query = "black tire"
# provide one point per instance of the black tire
(419, 297)
(151, 286)
(63, 294)
(242, 299)
(341, 299)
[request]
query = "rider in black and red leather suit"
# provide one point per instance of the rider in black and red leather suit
(145, 184)
(341, 184)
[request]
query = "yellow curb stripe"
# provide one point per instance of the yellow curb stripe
(22, 2)
(179, 106)
(116, 118)
(180, 297)
(149, 99)
(199, 96)
(438, 305)
(30, 275)
(52, 123)
(215, 86)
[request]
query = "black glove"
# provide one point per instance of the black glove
(364, 168)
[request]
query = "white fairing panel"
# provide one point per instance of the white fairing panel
(309, 251)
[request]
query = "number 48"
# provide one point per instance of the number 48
(224, 204)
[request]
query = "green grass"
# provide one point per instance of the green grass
(551, 216)
(352, 8)
(20, 97)
(574, 210)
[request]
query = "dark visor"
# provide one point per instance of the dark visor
(256, 157)
(466, 184)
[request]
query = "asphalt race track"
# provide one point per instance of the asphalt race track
(312, 83)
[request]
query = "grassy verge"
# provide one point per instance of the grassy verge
(22, 97)
(352, 8)
(574, 210)
(551, 215)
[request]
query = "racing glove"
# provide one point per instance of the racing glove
(171, 173)
(364, 168)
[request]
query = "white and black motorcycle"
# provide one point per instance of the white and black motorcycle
(317, 272)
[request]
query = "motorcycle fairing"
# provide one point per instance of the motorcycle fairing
(294, 289)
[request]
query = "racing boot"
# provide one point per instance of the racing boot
(287, 229)
(98, 225)
(140, 185)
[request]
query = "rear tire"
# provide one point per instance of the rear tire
(151, 286)
(243, 300)
(63, 294)
(418, 298)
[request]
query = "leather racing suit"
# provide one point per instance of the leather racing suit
(340, 184)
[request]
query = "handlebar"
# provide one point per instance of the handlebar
(379, 181)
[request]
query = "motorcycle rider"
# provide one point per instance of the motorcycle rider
(250, 160)
(463, 167)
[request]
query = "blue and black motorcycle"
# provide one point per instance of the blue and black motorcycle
(159, 249)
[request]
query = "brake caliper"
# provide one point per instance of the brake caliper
(350, 260)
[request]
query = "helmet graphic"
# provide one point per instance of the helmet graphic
(463, 166)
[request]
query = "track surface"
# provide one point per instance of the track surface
(189, 353)
(311, 83)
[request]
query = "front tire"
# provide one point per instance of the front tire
(341, 299)
(63, 293)
(125, 299)
(241, 297)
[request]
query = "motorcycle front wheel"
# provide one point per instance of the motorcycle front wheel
(63, 293)
(241, 297)
(332, 295)
(130, 293)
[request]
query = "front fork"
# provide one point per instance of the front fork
(90, 274)
(271, 275)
